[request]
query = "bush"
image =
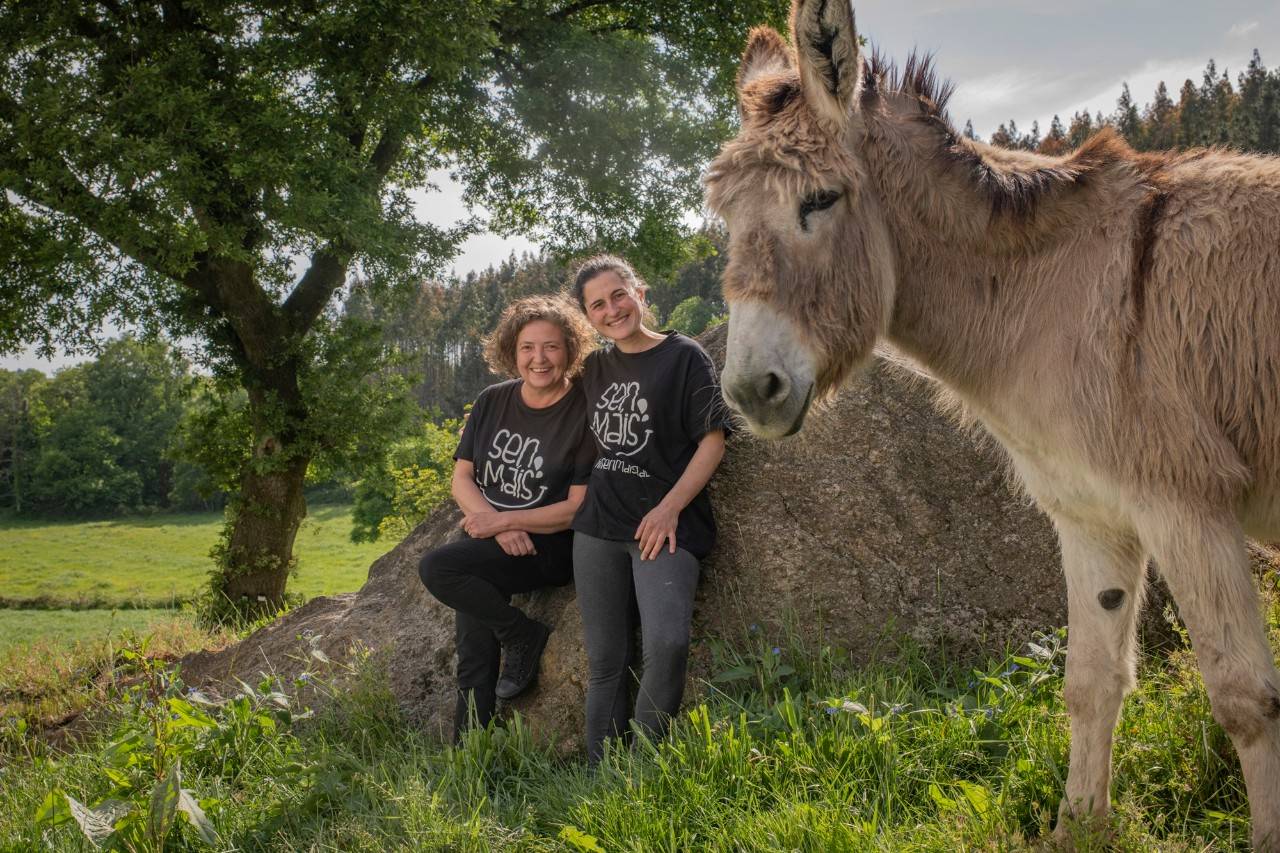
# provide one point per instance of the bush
(414, 480)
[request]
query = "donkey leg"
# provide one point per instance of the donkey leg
(1105, 584)
(1204, 561)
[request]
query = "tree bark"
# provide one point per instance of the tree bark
(270, 507)
(259, 554)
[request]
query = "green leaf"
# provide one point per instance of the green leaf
(122, 752)
(196, 817)
(577, 838)
(164, 806)
(54, 810)
(187, 716)
(978, 796)
(943, 802)
(738, 673)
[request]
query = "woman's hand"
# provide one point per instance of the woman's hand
(482, 525)
(516, 543)
(656, 529)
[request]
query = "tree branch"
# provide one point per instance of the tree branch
(328, 270)
(67, 195)
(574, 8)
(326, 274)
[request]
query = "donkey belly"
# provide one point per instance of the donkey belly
(1260, 513)
(1069, 489)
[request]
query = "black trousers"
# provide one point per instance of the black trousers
(477, 579)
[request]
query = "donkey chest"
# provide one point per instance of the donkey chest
(1062, 482)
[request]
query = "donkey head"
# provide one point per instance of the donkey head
(809, 281)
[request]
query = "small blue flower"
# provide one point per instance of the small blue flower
(777, 651)
(305, 678)
(832, 711)
(754, 628)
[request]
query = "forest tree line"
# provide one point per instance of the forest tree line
(1245, 117)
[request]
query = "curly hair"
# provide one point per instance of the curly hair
(500, 344)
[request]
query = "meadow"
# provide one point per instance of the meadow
(158, 561)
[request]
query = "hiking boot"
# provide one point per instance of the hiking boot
(520, 661)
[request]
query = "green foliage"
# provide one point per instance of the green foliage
(161, 728)
(414, 480)
(94, 438)
(691, 316)
(790, 747)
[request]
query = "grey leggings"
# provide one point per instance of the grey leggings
(607, 574)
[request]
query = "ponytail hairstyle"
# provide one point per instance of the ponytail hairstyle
(598, 264)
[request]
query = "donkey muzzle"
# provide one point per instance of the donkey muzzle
(768, 373)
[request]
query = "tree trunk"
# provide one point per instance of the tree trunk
(269, 509)
(259, 553)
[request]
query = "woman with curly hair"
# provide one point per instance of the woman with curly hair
(519, 476)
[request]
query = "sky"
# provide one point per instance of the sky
(1009, 59)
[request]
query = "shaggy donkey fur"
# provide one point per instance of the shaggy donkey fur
(1112, 318)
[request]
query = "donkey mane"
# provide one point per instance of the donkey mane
(1013, 190)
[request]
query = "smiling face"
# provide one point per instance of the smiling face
(809, 282)
(541, 355)
(613, 306)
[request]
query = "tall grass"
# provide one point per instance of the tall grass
(789, 748)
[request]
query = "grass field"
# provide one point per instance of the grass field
(157, 561)
(67, 626)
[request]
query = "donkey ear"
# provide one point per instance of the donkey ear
(827, 49)
(766, 54)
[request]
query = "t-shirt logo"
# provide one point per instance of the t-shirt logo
(619, 419)
(512, 470)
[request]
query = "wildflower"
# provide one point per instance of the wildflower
(831, 710)
(777, 651)
(305, 678)
(897, 708)
(754, 629)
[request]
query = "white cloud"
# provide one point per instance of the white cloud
(1242, 29)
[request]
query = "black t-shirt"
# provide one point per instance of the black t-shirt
(648, 410)
(526, 457)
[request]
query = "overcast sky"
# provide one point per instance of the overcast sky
(1009, 59)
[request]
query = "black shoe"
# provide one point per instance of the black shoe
(520, 661)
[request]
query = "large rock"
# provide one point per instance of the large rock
(882, 520)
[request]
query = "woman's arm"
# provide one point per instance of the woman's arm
(544, 519)
(471, 501)
(466, 494)
(659, 525)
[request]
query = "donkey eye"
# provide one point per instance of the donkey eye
(820, 200)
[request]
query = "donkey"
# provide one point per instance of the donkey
(1112, 318)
